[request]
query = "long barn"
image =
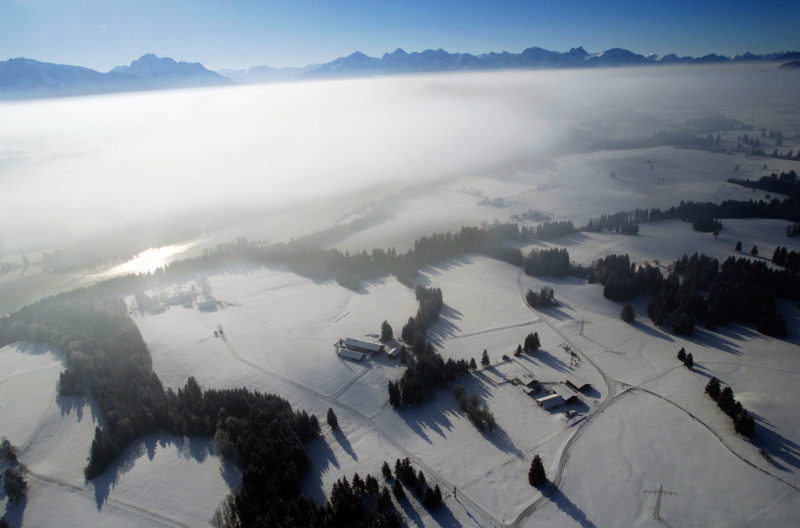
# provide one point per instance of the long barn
(363, 346)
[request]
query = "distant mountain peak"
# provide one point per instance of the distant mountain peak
(26, 78)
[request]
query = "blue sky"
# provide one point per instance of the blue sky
(102, 34)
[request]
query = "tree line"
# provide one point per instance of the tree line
(783, 183)
(743, 422)
(108, 361)
(426, 370)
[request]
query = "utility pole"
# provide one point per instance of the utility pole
(659, 492)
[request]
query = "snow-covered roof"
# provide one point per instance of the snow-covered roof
(351, 343)
(577, 382)
(349, 354)
(550, 401)
(565, 392)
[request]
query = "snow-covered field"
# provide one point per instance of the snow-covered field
(644, 422)
(279, 333)
(147, 486)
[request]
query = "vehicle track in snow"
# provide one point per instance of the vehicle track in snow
(465, 500)
(612, 384)
(128, 507)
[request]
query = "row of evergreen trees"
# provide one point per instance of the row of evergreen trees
(699, 290)
(14, 484)
(741, 289)
(549, 262)
(621, 280)
(743, 422)
(788, 259)
(783, 183)
(543, 299)
(405, 474)
(702, 215)
(107, 360)
(426, 370)
(478, 414)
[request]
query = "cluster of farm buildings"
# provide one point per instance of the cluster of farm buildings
(357, 349)
(556, 394)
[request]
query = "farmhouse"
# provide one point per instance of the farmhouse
(551, 401)
(565, 392)
(362, 346)
(577, 383)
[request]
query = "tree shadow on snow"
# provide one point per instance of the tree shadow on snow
(571, 509)
(791, 314)
(230, 473)
(500, 439)
(556, 312)
(409, 510)
(323, 457)
(195, 448)
(571, 240)
(444, 327)
(443, 516)
(715, 340)
(653, 332)
(419, 420)
(777, 445)
(34, 348)
(68, 404)
(447, 265)
(15, 511)
(703, 371)
(340, 437)
(548, 359)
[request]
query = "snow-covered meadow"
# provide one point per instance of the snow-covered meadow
(644, 422)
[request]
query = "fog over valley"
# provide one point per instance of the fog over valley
(77, 167)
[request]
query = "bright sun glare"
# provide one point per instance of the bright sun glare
(149, 260)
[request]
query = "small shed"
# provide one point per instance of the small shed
(393, 352)
(577, 383)
(551, 401)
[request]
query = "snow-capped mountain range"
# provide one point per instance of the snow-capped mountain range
(27, 78)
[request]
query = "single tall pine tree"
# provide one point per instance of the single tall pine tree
(627, 313)
(386, 331)
(332, 420)
(536, 475)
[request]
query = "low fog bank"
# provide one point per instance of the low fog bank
(73, 168)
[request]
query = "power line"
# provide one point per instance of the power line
(659, 492)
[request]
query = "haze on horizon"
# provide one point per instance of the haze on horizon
(79, 167)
